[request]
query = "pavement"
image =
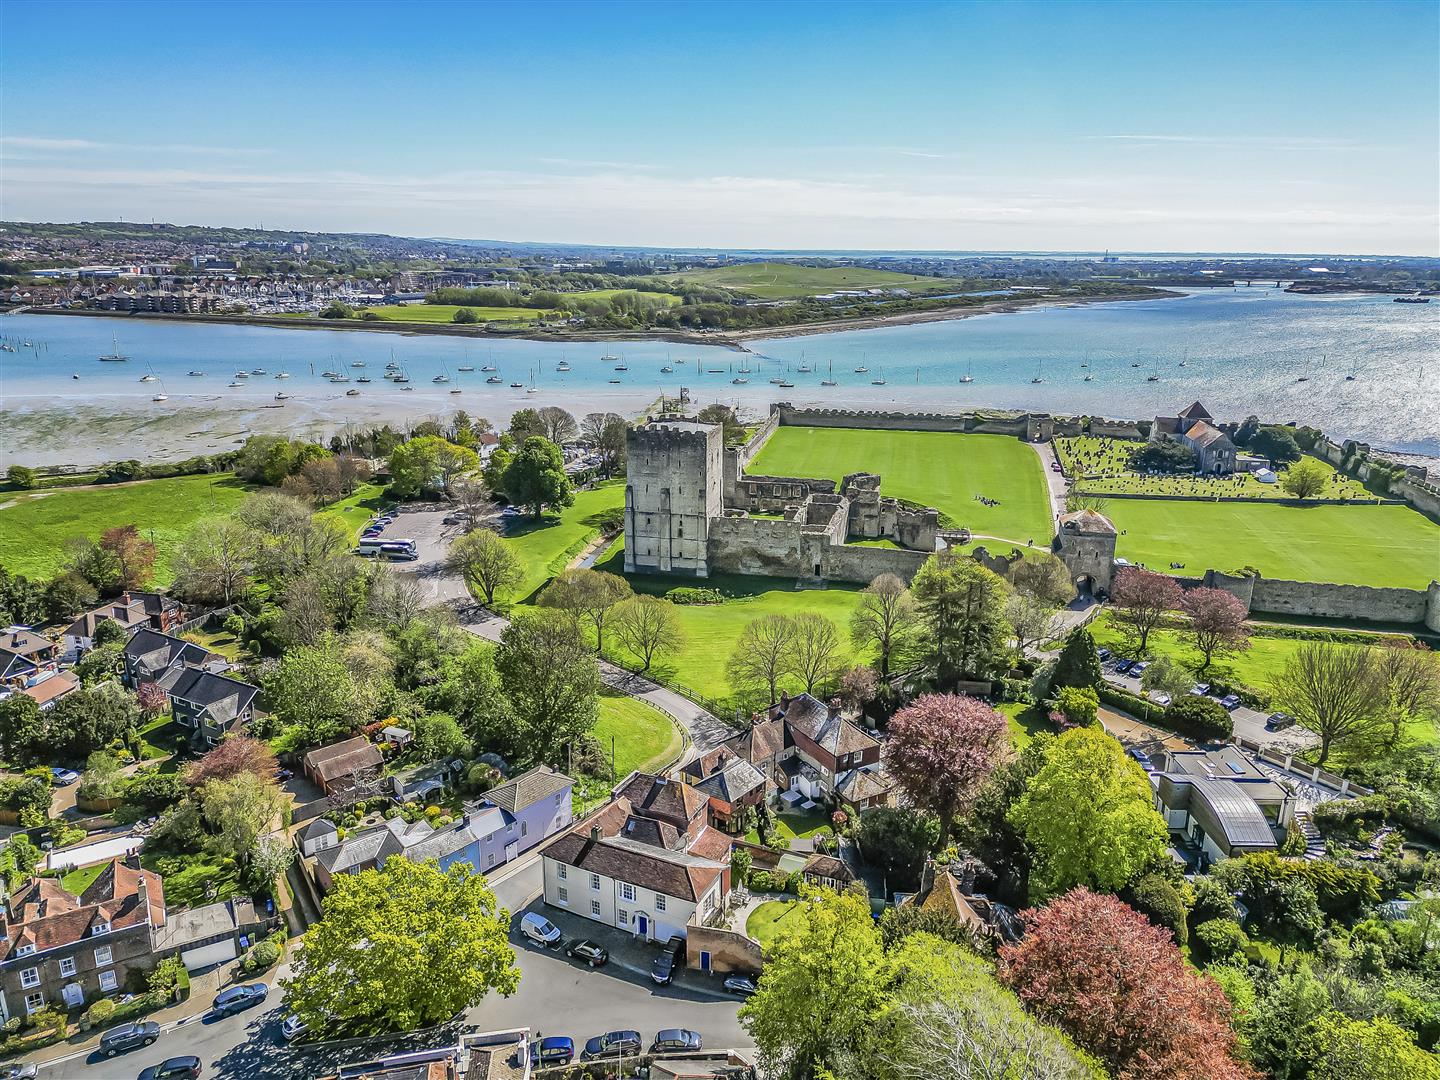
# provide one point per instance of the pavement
(1056, 486)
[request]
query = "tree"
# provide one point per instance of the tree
(439, 736)
(1276, 443)
(22, 478)
(897, 841)
(132, 556)
(235, 755)
(1143, 600)
(486, 563)
(22, 726)
(402, 947)
(1377, 1049)
(648, 627)
(886, 620)
(473, 497)
(108, 632)
(525, 424)
(468, 688)
(1034, 620)
(1199, 717)
(587, 594)
(266, 861)
(608, 432)
(963, 608)
(1334, 690)
(1217, 623)
(1305, 479)
(1078, 665)
(1167, 676)
(464, 315)
(858, 687)
(240, 809)
(153, 698)
(733, 430)
(1090, 816)
(1121, 989)
(1078, 704)
(90, 718)
(311, 689)
(1410, 676)
(429, 463)
(213, 564)
(67, 595)
(816, 650)
(941, 750)
(764, 654)
(550, 677)
(536, 477)
(824, 984)
(100, 664)
(1044, 577)
(557, 425)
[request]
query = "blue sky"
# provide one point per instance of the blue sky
(1311, 127)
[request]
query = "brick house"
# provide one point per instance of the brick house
(730, 782)
(63, 950)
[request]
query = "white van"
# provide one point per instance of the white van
(540, 930)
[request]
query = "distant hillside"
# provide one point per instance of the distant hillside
(777, 281)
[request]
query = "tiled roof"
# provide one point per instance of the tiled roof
(23, 642)
(223, 698)
(762, 741)
(45, 915)
(649, 831)
(528, 788)
(827, 866)
(731, 780)
(1196, 411)
(53, 688)
(1203, 435)
(711, 844)
(858, 785)
(126, 615)
(343, 758)
(674, 873)
(669, 800)
(1088, 521)
(823, 726)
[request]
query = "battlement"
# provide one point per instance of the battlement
(667, 430)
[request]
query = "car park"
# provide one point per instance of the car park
(239, 998)
(129, 1037)
(554, 1050)
(1279, 721)
(675, 1041)
(1138, 668)
(742, 985)
(63, 777)
(662, 969)
(1231, 701)
(1122, 666)
(613, 1044)
(540, 931)
(591, 953)
(176, 1068)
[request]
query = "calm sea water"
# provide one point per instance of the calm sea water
(1257, 350)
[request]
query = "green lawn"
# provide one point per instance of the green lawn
(773, 918)
(1024, 721)
(445, 313)
(162, 738)
(935, 468)
(77, 881)
(778, 281)
(1355, 545)
(35, 525)
(357, 508)
(545, 546)
(645, 739)
(794, 825)
(185, 878)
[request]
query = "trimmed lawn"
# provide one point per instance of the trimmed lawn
(1353, 545)
(794, 825)
(77, 881)
(545, 546)
(778, 281)
(934, 468)
(644, 738)
(217, 641)
(162, 738)
(773, 918)
(33, 530)
(1025, 722)
(357, 508)
(186, 876)
(445, 313)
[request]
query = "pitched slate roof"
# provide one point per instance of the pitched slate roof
(154, 652)
(1196, 411)
(858, 785)
(528, 788)
(343, 758)
(823, 726)
(731, 780)
(649, 831)
(668, 800)
(24, 642)
(124, 614)
(224, 699)
(317, 828)
(45, 915)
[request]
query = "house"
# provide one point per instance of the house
(1195, 428)
(810, 752)
(320, 834)
(1220, 802)
(338, 766)
(827, 872)
(730, 782)
(213, 934)
(946, 890)
(25, 658)
(511, 819)
(60, 949)
(632, 867)
(47, 691)
(150, 656)
(129, 615)
(419, 781)
(210, 705)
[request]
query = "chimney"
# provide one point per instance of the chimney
(784, 702)
(834, 708)
(594, 834)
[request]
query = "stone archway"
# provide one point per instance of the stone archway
(1084, 586)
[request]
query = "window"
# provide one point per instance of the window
(564, 894)
(490, 859)
(100, 928)
(595, 908)
(34, 1002)
(627, 891)
(622, 918)
(30, 977)
(524, 828)
(25, 950)
(67, 965)
(659, 902)
(102, 956)
(108, 981)
(595, 882)
(562, 871)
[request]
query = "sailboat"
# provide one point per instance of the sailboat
(1039, 370)
(114, 355)
(879, 380)
(564, 365)
(532, 389)
(162, 395)
(829, 380)
(804, 368)
(494, 378)
(444, 376)
(1354, 371)
(969, 375)
(1154, 376)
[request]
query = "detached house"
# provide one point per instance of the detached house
(150, 656)
(208, 703)
(1219, 804)
(648, 863)
(60, 949)
(132, 611)
(26, 658)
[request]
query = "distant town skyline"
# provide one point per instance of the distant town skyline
(1282, 127)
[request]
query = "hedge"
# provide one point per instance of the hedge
(1137, 707)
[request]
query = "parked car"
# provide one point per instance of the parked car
(613, 1044)
(400, 556)
(1138, 667)
(239, 998)
(1142, 758)
(1103, 654)
(662, 969)
(1200, 689)
(63, 777)
(743, 985)
(540, 930)
(1160, 697)
(675, 1040)
(24, 1071)
(128, 1037)
(1122, 666)
(1231, 701)
(556, 1050)
(293, 1027)
(176, 1068)
(1278, 721)
(591, 953)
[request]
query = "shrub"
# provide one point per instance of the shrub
(261, 957)
(234, 625)
(1137, 707)
(761, 881)
(1212, 901)
(98, 1014)
(1079, 704)
(1162, 903)
(1199, 717)
(1219, 939)
(689, 594)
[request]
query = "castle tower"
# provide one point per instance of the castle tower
(672, 494)
(1085, 543)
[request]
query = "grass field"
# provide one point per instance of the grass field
(357, 508)
(1355, 545)
(445, 313)
(779, 281)
(545, 546)
(934, 468)
(35, 525)
(644, 737)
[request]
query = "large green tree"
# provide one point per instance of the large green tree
(1079, 664)
(536, 478)
(550, 676)
(429, 463)
(1089, 816)
(313, 690)
(402, 947)
(587, 595)
(488, 565)
(963, 608)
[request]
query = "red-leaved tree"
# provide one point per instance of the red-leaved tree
(942, 748)
(152, 697)
(1217, 623)
(1119, 987)
(235, 755)
(131, 555)
(1142, 599)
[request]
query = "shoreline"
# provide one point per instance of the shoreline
(733, 339)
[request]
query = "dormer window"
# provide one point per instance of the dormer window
(100, 928)
(25, 950)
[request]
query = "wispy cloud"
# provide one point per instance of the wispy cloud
(44, 143)
(1235, 142)
(583, 163)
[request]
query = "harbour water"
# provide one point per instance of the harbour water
(1249, 350)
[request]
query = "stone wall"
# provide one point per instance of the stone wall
(1016, 424)
(1325, 600)
(762, 546)
(772, 494)
(847, 562)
